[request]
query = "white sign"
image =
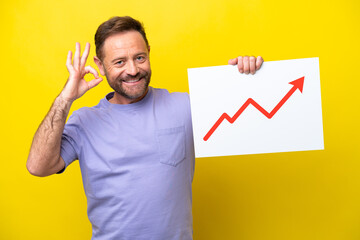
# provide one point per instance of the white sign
(276, 110)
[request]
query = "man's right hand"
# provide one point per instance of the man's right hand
(76, 85)
(44, 156)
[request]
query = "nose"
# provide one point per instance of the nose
(131, 68)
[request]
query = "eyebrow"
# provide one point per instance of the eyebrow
(121, 58)
(117, 59)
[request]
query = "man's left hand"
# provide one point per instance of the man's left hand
(247, 64)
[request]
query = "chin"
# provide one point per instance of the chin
(136, 94)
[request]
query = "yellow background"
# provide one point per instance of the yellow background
(299, 195)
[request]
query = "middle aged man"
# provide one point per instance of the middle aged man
(135, 148)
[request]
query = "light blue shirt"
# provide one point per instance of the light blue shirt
(137, 164)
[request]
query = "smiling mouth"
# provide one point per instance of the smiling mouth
(132, 81)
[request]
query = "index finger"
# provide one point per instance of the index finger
(85, 55)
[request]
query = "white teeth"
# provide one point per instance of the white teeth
(132, 81)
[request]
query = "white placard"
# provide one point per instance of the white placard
(276, 110)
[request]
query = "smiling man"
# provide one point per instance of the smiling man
(135, 148)
(126, 65)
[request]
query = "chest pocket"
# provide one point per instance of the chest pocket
(171, 142)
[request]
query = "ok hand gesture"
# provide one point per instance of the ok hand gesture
(76, 85)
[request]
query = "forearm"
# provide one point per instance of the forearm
(44, 157)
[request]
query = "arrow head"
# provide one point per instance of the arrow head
(298, 83)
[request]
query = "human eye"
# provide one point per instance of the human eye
(120, 62)
(140, 58)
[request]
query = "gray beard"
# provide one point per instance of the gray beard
(139, 91)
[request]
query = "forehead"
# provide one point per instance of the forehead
(130, 42)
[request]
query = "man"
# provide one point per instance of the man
(135, 148)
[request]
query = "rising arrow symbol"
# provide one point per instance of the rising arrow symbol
(298, 84)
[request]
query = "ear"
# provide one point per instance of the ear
(149, 49)
(100, 65)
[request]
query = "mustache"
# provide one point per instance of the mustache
(133, 77)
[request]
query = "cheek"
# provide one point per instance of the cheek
(146, 67)
(114, 73)
(109, 70)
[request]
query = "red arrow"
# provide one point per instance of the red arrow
(298, 84)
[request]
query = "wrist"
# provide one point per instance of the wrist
(63, 98)
(63, 101)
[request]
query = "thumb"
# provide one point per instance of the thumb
(233, 61)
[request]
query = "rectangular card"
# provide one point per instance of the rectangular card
(276, 110)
